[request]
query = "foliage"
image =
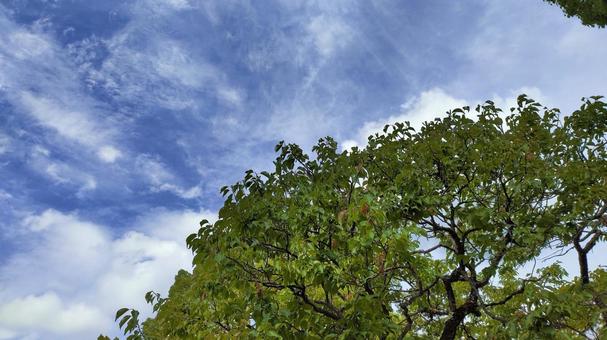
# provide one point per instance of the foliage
(437, 233)
(590, 12)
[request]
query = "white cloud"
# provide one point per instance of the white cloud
(40, 151)
(162, 179)
(329, 7)
(230, 95)
(5, 143)
(329, 34)
(174, 63)
(5, 195)
(47, 312)
(109, 154)
(299, 123)
(72, 275)
(69, 246)
(179, 4)
(435, 103)
(28, 45)
(166, 5)
(156, 222)
(556, 54)
(73, 124)
(574, 44)
(426, 106)
(60, 172)
(348, 144)
(189, 193)
(153, 169)
(6, 334)
(505, 103)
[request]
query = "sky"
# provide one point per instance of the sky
(120, 121)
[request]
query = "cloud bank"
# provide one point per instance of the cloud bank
(72, 275)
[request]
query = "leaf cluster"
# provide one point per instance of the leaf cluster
(590, 12)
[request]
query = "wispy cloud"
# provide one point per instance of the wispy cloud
(60, 172)
(38, 79)
(146, 67)
(5, 143)
(160, 178)
(74, 124)
(329, 34)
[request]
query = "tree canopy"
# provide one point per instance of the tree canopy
(590, 12)
(436, 233)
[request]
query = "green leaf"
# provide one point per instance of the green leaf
(120, 312)
(124, 320)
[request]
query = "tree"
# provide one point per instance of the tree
(438, 233)
(590, 12)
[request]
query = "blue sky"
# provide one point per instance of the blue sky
(119, 120)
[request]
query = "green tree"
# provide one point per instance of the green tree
(590, 12)
(422, 234)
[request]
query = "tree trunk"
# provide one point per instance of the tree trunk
(451, 326)
(583, 260)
